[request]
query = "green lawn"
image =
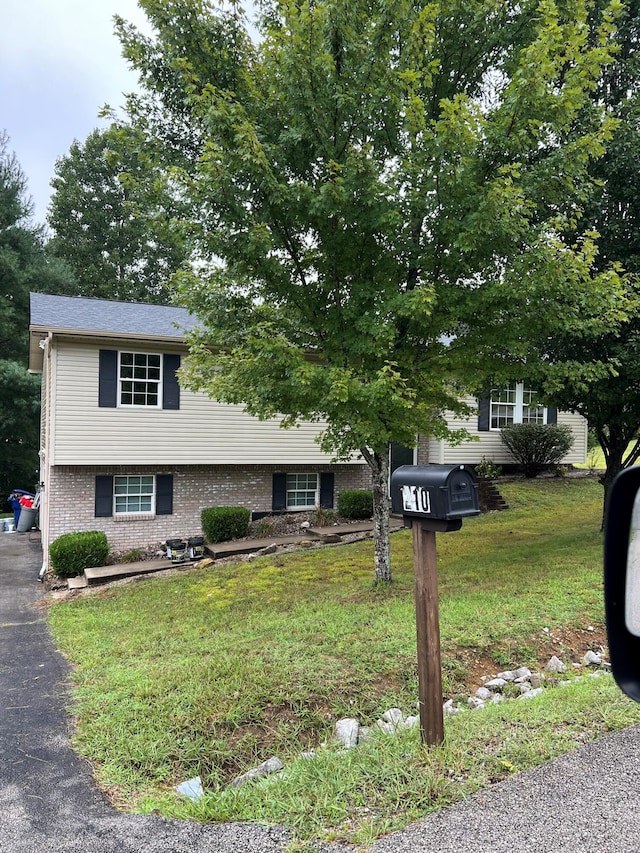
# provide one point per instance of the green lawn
(211, 671)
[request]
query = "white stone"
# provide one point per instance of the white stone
(393, 716)
(346, 732)
(555, 665)
(449, 709)
(271, 765)
(474, 703)
(530, 694)
(522, 672)
(592, 659)
(410, 722)
(508, 675)
(496, 684)
(497, 698)
(192, 789)
(483, 693)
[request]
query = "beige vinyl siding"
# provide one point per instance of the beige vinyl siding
(489, 444)
(200, 432)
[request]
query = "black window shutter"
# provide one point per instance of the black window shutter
(279, 498)
(552, 415)
(108, 378)
(326, 489)
(483, 414)
(164, 494)
(170, 387)
(104, 496)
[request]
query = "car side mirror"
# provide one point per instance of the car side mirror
(622, 580)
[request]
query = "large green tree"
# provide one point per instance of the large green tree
(23, 267)
(611, 403)
(382, 192)
(114, 221)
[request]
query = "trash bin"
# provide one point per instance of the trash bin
(14, 500)
(196, 547)
(176, 550)
(27, 519)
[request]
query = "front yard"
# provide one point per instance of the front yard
(211, 671)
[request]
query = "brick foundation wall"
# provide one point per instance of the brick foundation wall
(71, 497)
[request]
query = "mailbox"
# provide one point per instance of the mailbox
(442, 494)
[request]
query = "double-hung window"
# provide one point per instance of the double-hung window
(134, 494)
(515, 405)
(140, 377)
(302, 491)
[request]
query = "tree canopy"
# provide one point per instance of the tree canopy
(23, 267)
(611, 403)
(385, 198)
(113, 220)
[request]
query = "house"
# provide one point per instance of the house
(126, 450)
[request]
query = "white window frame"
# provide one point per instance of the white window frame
(133, 493)
(146, 381)
(306, 490)
(514, 401)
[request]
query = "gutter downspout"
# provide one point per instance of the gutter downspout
(45, 401)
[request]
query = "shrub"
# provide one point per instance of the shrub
(322, 517)
(220, 523)
(72, 553)
(486, 469)
(536, 446)
(355, 503)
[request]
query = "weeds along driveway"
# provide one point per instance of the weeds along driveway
(48, 800)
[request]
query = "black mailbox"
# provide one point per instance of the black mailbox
(443, 494)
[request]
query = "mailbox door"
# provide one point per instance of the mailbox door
(462, 494)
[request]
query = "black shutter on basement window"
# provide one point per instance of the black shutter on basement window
(104, 496)
(326, 489)
(108, 378)
(279, 496)
(170, 387)
(552, 415)
(483, 414)
(164, 494)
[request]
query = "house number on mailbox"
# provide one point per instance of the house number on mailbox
(416, 499)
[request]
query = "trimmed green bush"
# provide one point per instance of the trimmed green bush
(72, 553)
(220, 523)
(537, 446)
(355, 503)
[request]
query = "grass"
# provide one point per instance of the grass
(211, 671)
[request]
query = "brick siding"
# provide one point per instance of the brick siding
(71, 496)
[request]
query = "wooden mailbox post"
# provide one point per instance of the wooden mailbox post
(431, 498)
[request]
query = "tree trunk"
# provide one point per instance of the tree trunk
(613, 459)
(379, 463)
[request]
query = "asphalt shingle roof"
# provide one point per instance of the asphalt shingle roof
(81, 314)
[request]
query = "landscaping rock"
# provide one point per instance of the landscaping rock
(346, 732)
(496, 684)
(592, 659)
(483, 693)
(393, 716)
(555, 665)
(449, 709)
(530, 694)
(267, 768)
(192, 789)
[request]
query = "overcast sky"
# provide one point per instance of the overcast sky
(59, 63)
